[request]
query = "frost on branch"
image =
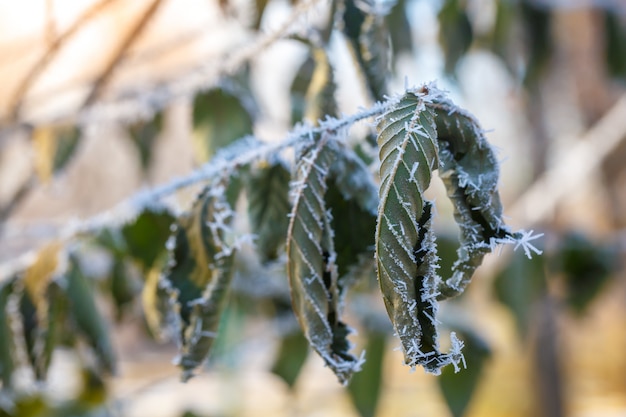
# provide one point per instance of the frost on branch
(311, 260)
(192, 292)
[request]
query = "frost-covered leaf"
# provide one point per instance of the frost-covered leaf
(369, 38)
(84, 313)
(54, 147)
(219, 118)
(312, 271)
(298, 89)
(458, 387)
(405, 246)
(365, 386)
(267, 189)
(455, 33)
(290, 358)
(144, 134)
(192, 291)
(469, 169)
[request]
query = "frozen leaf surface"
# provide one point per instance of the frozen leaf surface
(311, 267)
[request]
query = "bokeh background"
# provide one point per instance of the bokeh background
(546, 79)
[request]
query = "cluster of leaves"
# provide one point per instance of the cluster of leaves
(317, 220)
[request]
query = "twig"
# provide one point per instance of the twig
(18, 197)
(540, 200)
(15, 103)
(132, 206)
(132, 105)
(119, 55)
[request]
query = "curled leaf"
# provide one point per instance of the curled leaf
(193, 290)
(469, 169)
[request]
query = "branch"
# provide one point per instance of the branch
(104, 78)
(136, 105)
(540, 200)
(130, 208)
(15, 103)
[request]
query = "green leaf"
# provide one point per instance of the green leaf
(458, 388)
(369, 38)
(455, 33)
(320, 94)
(519, 286)
(267, 189)
(193, 290)
(615, 36)
(219, 118)
(470, 171)
(365, 386)
(8, 359)
(54, 148)
(405, 248)
(586, 266)
(123, 286)
(311, 267)
(292, 353)
(144, 134)
(145, 237)
(352, 198)
(84, 313)
(537, 22)
(56, 328)
(298, 89)
(400, 33)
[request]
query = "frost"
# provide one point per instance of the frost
(524, 240)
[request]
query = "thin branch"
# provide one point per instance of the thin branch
(18, 197)
(133, 105)
(15, 103)
(107, 74)
(540, 200)
(134, 205)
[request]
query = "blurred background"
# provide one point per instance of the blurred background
(99, 100)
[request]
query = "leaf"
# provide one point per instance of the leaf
(369, 38)
(405, 248)
(615, 36)
(89, 321)
(219, 118)
(144, 134)
(458, 388)
(400, 33)
(298, 89)
(267, 189)
(311, 269)
(365, 386)
(470, 171)
(123, 286)
(455, 33)
(56, 329)
(292, 353)
(8, 359)
(54, 147)
(520, 285)
(145, 237)
(586, 266)
(352, 198)
(193, 290)
(320, 94)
